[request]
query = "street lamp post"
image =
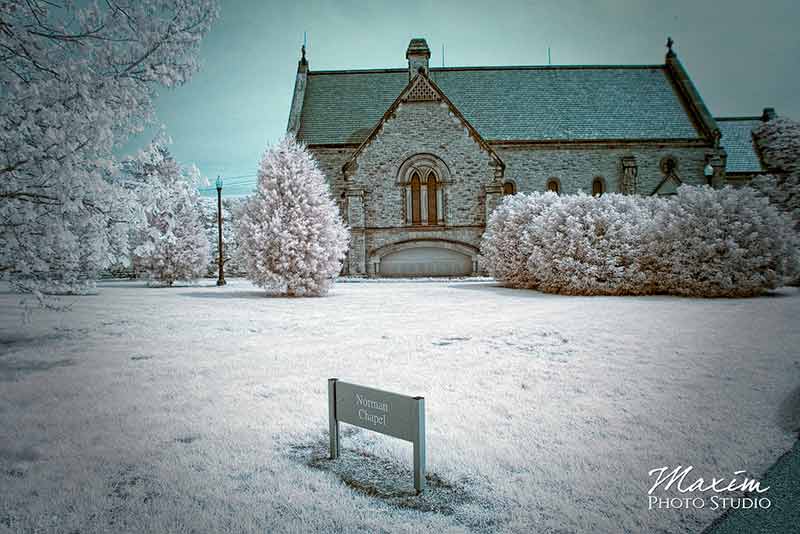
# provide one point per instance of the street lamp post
(221, 278)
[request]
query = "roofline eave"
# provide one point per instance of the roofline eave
(698, 141)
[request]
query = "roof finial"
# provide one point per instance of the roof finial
(303, 60)
(670, 42)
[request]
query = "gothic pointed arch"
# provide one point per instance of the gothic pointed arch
(424, 179)
(430, 184)
(416, 208)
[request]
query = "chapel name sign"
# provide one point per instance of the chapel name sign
(395, 415)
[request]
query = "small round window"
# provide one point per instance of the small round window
(669, 165)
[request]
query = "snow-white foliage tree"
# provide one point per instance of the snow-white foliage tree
(231, 208)
(76, 80)
(779, 142)
(172, 244)
(701, 242)
(291, 236)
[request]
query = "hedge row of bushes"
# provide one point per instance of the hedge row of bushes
(700, 242)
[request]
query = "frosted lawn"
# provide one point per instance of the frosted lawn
(200, 408)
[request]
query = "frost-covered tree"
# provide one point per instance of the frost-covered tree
(291, 236)
(172, 244)
(779, 141)
(76, 80)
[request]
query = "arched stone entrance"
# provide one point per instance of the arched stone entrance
(424, 257)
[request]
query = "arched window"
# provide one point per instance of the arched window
(423, 179)
(509, 188)
(598, 187)
(416, 213)
(432, 214)
(554, 186)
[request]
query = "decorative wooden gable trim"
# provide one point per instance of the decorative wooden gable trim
(422, 89)
(668, 186)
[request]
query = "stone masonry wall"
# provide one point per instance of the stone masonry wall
(330, 162)
(421, 128)
(415, 128)
(531, 166)
(430, 128)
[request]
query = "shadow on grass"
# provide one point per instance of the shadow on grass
(393, 483)
(229, 295)
(17, 341)
(10, 370)
(499, 289)
(248, 295)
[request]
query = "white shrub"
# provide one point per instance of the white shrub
(587, 246)
(505, 251)
(722, 243)
(702, 242)
(291, 237)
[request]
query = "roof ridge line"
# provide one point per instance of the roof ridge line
(493, 67)
(550, 67)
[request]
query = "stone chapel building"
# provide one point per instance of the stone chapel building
(418, 157)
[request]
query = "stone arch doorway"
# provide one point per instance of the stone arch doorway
(424, 257)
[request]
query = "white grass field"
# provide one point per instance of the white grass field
(204, 409)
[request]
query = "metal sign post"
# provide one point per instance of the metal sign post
(395, 415)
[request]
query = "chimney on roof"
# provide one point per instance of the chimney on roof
(768, 114)
(417, 55)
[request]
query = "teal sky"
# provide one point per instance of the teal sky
(741, 55)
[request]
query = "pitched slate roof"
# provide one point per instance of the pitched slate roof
(737, 140)
(508, 103)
